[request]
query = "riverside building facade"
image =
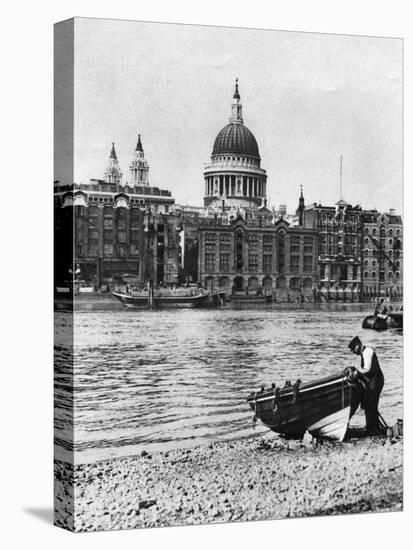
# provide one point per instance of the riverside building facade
(119, 228)
(258, 257)
(339, 248)
(382, 255)
(359, 251)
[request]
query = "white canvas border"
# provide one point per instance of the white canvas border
(26, 274)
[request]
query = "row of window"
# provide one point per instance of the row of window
(373, 275)
(390, 241)
(109, 211)
(390, 231)
(108, 235)
(243, 160)
(254, 237)
(346, 251)
(375, 252)
(225, 243)
(332, 239)
(253, 262)
(108, 221)
(374, 262)
(108, 250)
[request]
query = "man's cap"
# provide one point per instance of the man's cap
(354, 342)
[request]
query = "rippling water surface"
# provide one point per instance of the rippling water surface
(166, 379)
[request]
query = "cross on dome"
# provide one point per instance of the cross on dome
(236, 93)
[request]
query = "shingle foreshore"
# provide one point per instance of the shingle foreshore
(253, 479)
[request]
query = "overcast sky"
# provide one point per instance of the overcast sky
(308, 98)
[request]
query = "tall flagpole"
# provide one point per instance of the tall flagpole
(341, 176)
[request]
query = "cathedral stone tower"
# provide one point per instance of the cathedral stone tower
(113, 173)
(139, 167)
(234, 178)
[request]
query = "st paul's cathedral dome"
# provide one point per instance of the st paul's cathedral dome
(234, 177)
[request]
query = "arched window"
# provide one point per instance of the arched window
(366, 274)
(397, 274)
(390, 242)
(366, 240)
(373, 274)
(373, 263)
(390, 275)
(391, 232)
(366, 262)
(374, 230)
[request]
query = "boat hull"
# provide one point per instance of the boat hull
(322, 407)
(383, 322)
(139, 302)
(332, 426)
(395, 320)
(375, 322)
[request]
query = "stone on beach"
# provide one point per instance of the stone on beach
(267, 478)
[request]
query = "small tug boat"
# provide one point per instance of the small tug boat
(375, 322)
(322, 407)
(383, 321)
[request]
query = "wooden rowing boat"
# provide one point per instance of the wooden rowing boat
(322, 407)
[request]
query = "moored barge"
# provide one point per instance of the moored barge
(164, 299)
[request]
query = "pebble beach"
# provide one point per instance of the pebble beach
(249, 479)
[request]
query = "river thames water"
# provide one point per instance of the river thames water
(165, 379)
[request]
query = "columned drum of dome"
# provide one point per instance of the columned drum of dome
(234, 177)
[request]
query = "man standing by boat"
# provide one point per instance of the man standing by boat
(371, 374)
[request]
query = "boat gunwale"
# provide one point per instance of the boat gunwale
(269, 393)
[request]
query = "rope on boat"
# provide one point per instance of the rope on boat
(296, 389)
(277, 403)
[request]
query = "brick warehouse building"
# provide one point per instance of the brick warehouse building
(359, 251)
(118, 229)
(339, 248)
(382, 255)
(250, 257)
